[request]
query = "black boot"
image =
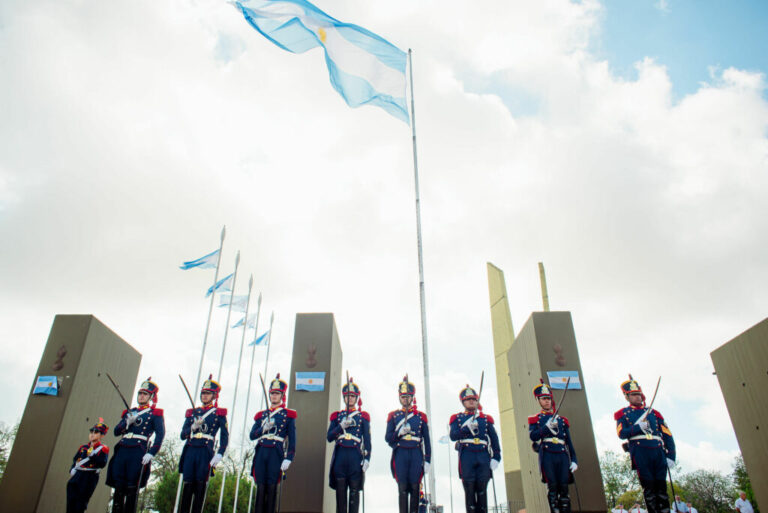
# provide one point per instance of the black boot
(341, 496)
(402, 497)
(200, 489)
(469, 496)
(552, 498)
(565, 499)
(271, 498)
(649, 495)
(187, 490)
(131, 498)
(261, 498)
(481, 489)
(662, 497)
(354, 495)
(413, 488)
(118, 500)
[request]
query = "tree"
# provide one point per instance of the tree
(708, 490)
(7, 436)
(618, 476)
(741, 481)
(165, 493)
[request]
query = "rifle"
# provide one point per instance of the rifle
(127, 406)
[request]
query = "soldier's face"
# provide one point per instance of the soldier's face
(351, 400)
(94, 436)
(406, 400)
(635, 398)
(142, 398)
(206, 397)
(275, 398)
(546, 403)
(470, 404)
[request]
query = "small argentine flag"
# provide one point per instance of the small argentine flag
(209, 261)
(259, 340)
(445, 439)
(310, 381)
(223, 285)
(558, 379)
(238, 302)
(46, 385)
(251, 321)
(364, 68)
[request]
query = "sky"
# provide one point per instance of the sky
(622, 143)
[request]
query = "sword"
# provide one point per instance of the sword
(648, 410)
(562, 399)
(187, 391)
(127, 406)
(266, 397)
(480, 393)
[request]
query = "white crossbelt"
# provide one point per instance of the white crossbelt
(643, 437)
(554, 440)
(134, 435)
(348, 436)
(271, 437)
(475, 441)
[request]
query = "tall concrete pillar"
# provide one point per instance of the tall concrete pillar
(316, 348)
(503, 337)
(547, 343)
(742, 370)
(79, 353)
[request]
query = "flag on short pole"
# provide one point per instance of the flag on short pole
(223, 285)
(364, 68)
(209, 261)
(238, 302)
(251, 321)
(259, 340)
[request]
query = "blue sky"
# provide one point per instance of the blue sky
(686, 36)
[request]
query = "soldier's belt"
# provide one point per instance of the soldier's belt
(88, 469)
(646, 437)
(271, 437)
(348, 436)
(554, 440)
(474, 441)
(202, 435)
(410, 438)
(134, 435)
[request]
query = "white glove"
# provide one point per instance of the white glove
(216, 459)
(146, 459)
(130, 418)
(365, 465)
(644, 426)
(573, 467)
(284, 465)
(671, 463)
(494, 465)
(197, 424)
(345, 422)
(552, 425)
(73, 472)
(406, 429)
(473, 427)
(426, 467)
(267, 424)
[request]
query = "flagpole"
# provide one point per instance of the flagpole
(250, 375)
(210, 308)
(269, 344)
(422, 297)
(237, 378)
(229, 314)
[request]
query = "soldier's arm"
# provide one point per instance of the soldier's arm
(495, 447)
(159, 427)
(425, 438)
(334, 429)
(186, 428)
(224, 435)
(74, 459)
(367, 435)
(534, 432)
(568, 440)
(624, 428)
(290, 427)
(256, 429)
(120, 427)
(666, 436)
(100, 460)
(389, 436)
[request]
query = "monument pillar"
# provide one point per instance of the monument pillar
(316, 350)
(79, 353)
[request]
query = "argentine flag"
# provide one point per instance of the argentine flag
(223, 285)
(209, 261)
(251, 322)
(365, 69)
(259, 340)
(238, 302)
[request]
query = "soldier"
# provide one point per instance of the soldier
(650, 445)
(199, 455)
(88, 461)
(479, 451)
(551, 438)
(272, 456)
(350, 430)
(408, 435)
(129, 468)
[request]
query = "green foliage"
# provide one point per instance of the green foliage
(618, 477)
(7, 436)
(741, 481)
(165, 493)
(630, 497)
(709, 491)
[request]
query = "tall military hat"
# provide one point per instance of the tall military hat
(467, 393)
(631, 386)
(406, 387)
(151, 388)
(543, 390)
(100, 427)
(350, 388)
(209, 385)
(278, 385)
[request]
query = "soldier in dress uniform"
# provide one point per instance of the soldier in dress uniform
(86, 465)
(129, 468)
(408, 435)
(551, 437)
(199, 455)
(274, 430)
(650, 445)
(479, 451)
(350, 431)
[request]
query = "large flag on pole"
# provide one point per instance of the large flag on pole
(209, 261)
(364, 68)
(223, 285)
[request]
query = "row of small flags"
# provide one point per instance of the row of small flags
(210, 261)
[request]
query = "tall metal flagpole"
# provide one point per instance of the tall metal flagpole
(269, 344)
(229, 314)
(422, 298)
(210, 308)
(237, 379)
(250, 375)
